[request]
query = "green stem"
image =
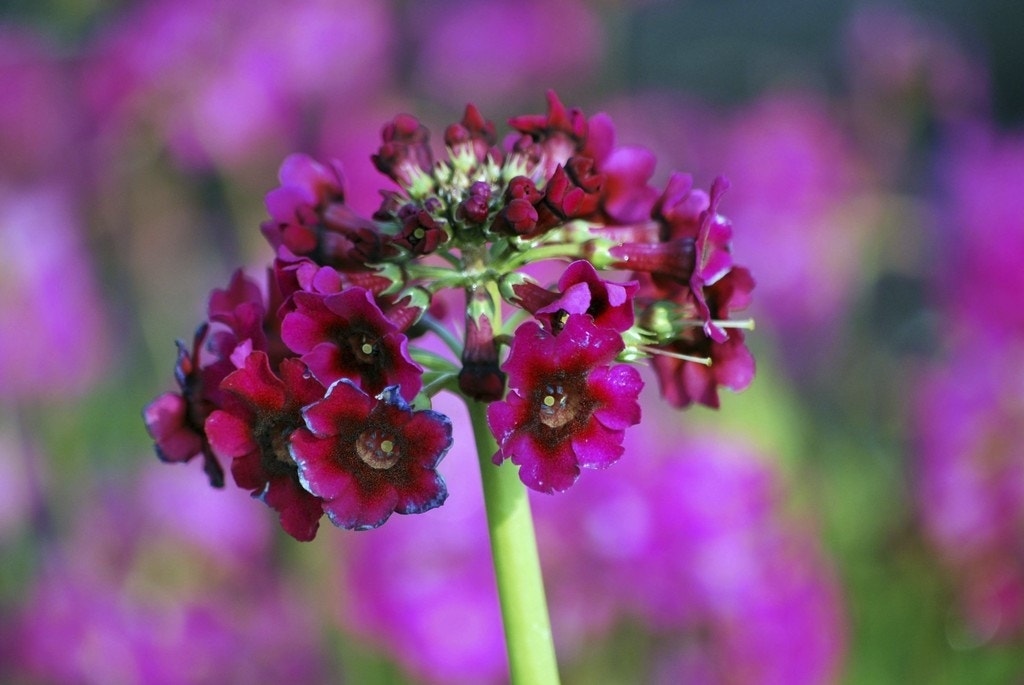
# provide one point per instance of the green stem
(524, 611)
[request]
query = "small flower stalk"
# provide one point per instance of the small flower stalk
(314, 390)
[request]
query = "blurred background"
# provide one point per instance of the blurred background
(856, 516)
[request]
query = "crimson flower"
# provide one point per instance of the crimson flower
(309, 217)
(175, 419)
(346, 335)
(684, 382)
(582, 291)
(405, 152)
(568, 407)
(368, 457)
(261, 411)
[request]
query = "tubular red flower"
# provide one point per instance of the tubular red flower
(475, 135)
(368, 457)
(309, 217)
(568, 408)
(684, 382)
(405, 151)
(481, 378)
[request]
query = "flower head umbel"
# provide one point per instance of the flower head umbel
(368, 457)
(568, 407)
(319, 390)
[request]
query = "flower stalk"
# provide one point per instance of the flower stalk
(528, 638)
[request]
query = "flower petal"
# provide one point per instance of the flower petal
(229, 435)
(617, 390)
(597, 447)
(543, 468)
(300, 511)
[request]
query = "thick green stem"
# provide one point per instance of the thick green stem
(524, 610)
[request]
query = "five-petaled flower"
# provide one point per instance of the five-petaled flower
(346, 335)
(568, 407)
(368, 457)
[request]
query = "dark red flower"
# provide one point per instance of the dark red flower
(568, 407)
(368, 457)
(309, 217)
(558, 121)
(481, 378)
(572, 191)
(581, 291)
(474, 136)
(693, 249)
(477, 206)
(404, 154)
(549, 140)
(519, 214)
(684, 382)
(253, 430)
(346, 335)
(421, 233)
(175, 420)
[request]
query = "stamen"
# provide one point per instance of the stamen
(706, 361)
(747, 324)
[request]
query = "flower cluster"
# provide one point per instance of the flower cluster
(318, 390)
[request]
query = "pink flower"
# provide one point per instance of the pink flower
(568, 407)
(370, 457)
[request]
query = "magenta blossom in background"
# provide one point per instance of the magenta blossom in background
(16, 484)
(161, 584)
(983, 171)
(901, 62)
(53, 334)
(37, 112)
(797, 180)
(968, 420)
(521, 45)
(692, 540)
(225, 83)
(970, 469)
